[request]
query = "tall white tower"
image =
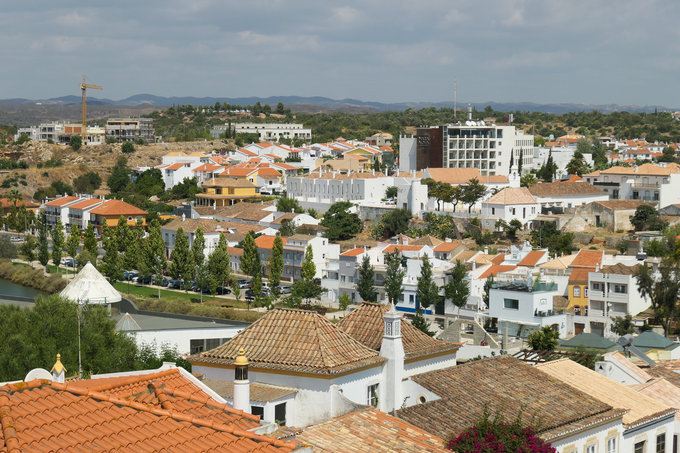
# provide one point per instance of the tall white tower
(392, 348)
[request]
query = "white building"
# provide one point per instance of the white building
(648, 182)
(272, 132)
(523, 307)
(512, 204)
(366, 359)
(557, 196)
(561, 156)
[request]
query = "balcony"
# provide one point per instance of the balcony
(547, 313)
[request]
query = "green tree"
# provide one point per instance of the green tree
(472, 192)
(391, 192)
(181, 259)
(153, 261)
(622, 325)
(203, 277)
(662, 291)
(120, 176)
(647, 217)
(528, 180)
(420, 323)
(427, 293)
(7, 248)
(128, 148)
(577, 165)
(287, 228)
(198, 246)
(90, 242)
(219, 264)
(57, 243)
(133, 251)
(457, 289)
(27, 249)
(122, 234)
(285, 204)
(75, 142)
(392, 223)
(280, 109)
(251, 257)
(394, 276)
(307, 287)
(488, 284)
(275, 264)
(14, 196)
(111, 265)
(543, 339)
(43, 247)
(341, 223)
(366, 283)
(344, 301)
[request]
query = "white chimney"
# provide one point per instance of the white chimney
(241, 383)
(392, 348)
(58, 371)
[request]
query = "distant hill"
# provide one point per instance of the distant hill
(163, 101)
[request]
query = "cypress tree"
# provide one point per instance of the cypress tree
(457, 289)
(198, 246)
(276, 265)
(250, 256)
(111, 263)
(428, 292)
(366, 283)
(181, 259)
(394, 276)
(73, 241)
(153, 252)
(43, 248)
(57, 243)
(90, 241)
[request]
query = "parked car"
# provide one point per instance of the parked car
(286, 290)
(145, 280)
(244, 284)
(130, 275)
(222, 290)
(175, 284)
(68, 262)
(251, 293)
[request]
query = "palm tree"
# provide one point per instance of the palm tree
(13, 196)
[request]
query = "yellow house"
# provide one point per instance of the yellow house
(578, 290)
(225, 191)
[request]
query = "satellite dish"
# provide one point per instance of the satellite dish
(38, 373)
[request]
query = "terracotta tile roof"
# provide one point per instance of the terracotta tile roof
(366, 325)
(258, 392)
(644, 169)
(427, 240)
(234, 251)
(498, 259)
(294, 340)
(192, 225)
(117, 208)
(616, 205)
(175, 166)
(226, 181)
(208, 167)
(61, 201)
(532, 258)
(402, 248)
(246, 152)
(508, 385)
(512, 195)
(465, 255)
(588, 258)
(46, 416)
(267, 171)
(83, 204)
(454, 175)
(238, 171)
(354, 252)
(580, 274)
(370, 430)
(640, 408)
(496, 269)
(284, 165)
(620, 268)
(556, 189)
(445, 247)
(562, 262)
(6, 204)
(287, 216)
(267, 242)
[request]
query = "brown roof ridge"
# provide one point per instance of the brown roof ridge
(169, 413)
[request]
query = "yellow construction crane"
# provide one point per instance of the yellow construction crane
(83, 87)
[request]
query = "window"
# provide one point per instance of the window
(596, 286)
(257, 410)
(639, 447)
(372, 399)
(590, 449)
(661, 443)
(577, 291)
(280, 414)
(493, 211)
(511, 304)
(410, 298)
(621, 289)
(585, 291)
(611, 445)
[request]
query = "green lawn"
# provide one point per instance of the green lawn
(147, 292)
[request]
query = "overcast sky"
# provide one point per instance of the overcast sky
(595, 52)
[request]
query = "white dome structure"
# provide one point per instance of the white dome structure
(90, 287)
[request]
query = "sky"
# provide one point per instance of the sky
(623, 52)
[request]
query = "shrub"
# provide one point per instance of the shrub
(75, 142)
(499, 436)
(31, 277)
(128, 148)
